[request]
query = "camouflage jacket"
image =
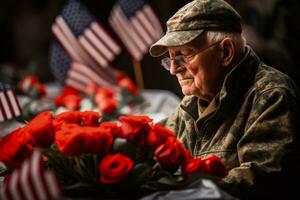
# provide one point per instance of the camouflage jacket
(250, 125)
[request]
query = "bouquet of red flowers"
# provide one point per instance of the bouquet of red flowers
(131, 156)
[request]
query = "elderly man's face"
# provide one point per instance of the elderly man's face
(202, 74)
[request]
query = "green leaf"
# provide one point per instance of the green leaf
(125, 92)
(27, 112)
(110, 117)
(121, 145)
(140, 173)
(33, 92)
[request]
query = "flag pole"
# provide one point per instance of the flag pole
(138, 74)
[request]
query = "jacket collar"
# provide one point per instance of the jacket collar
(241, 76)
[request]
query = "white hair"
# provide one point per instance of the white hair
(238, 39)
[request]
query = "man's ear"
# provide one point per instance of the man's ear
(228, 51)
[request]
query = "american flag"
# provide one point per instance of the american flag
(85, 49)
(137, 26)
(9, 104)
(31, 182)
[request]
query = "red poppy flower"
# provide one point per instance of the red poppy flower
(86, 118)
(68, 140)
(41, 129)
(74, 140)
(158, 135)
(214, 166)
(192, 166)
(135, 128)
(103, 93)
(15, 147)
(69, 101)
(90, 88)
(107, 105)
(90, 118)
(97, 140)
(113, 127)
(69, 98)
(115, 168)
(69, 90)
(42, 89)
(172, 153)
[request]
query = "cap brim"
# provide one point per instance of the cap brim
(172, 39)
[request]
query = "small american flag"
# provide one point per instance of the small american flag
(137, 26)
(86, 49)
(9, 104)
(31, 182)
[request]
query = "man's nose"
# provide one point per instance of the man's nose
(175, 67)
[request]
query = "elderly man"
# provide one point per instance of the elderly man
(235, 106)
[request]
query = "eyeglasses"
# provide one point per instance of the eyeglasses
(181, 60)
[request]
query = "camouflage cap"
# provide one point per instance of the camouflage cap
(192, 19)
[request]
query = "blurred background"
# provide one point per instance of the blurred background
(271, 27)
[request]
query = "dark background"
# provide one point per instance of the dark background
(271, 27)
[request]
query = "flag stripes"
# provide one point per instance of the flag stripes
(127, 33)
(81, 75)
(137, 32)
(64, 42)
(152, 18)
(31, 182)
(9, 104)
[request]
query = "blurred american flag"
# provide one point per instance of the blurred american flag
(85, 49)
(31, 182)
(136, 24)
(9, 104)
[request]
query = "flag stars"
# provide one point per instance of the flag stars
(77, 16)
(129, 7)
(60, 61)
